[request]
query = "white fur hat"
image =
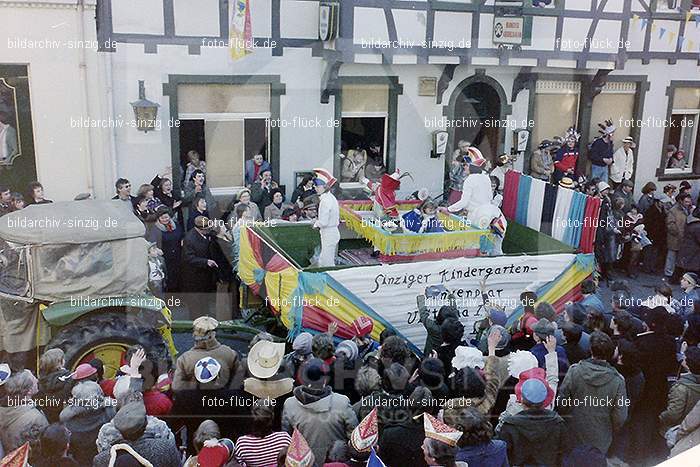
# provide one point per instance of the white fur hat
(520, 361)
(467, 357)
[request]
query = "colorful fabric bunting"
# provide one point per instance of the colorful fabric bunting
(555, 211)
(534, 216)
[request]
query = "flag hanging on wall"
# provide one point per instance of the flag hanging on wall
(241, 34)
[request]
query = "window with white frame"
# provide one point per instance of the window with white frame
(363, 134)
(556, 108)
(683, 132)
(228, 125)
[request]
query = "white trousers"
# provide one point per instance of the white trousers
(329, 246)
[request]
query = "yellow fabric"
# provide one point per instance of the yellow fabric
(280, 287)
(570, 279)
(462, 237)
(341, 309)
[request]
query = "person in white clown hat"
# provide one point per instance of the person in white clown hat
(476, 190)
(440, 444)
(328, 218)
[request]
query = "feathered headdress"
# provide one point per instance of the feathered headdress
(606, 127)
(572, 133)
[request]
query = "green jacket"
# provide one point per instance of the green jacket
(593, 400)
(681, 399)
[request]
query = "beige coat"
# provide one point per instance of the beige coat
(689, 433)
(184, 371)
(675, 227)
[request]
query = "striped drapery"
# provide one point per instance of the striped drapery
(566, 215)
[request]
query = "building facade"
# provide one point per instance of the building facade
(394, 73)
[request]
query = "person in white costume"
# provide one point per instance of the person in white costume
(476, 190)
(328, 218)
(477, 199)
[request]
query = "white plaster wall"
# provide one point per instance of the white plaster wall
(64, 157)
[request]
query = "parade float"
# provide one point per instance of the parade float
(547, 249)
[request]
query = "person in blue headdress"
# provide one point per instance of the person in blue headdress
(423, 219)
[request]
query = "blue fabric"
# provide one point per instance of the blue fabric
(550, 202)
(585, 261)
(259, 275)
(600, 172)
(413, 219)
(374, 460)
(572, 232)
(581, 201)
(595, 302)
(491, 454)
(539, 351)
(308, 283)
(523, 200)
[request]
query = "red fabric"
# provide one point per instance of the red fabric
(573, 295)
(215, 456)
(157, 403)
(433, 256)
(255, 245)
(318, 319)
(455, 196)
(568, 161)
(385, 194)
(590, 222)
(362, 326)
(510, 193)
(534, 373)
(276, 264)
(107, 386)
(256, 170)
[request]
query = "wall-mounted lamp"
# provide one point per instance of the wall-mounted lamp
(145, 111)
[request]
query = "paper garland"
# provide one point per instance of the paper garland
(671, 34)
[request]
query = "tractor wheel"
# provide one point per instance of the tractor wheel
(107, 336)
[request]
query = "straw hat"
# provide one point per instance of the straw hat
(264, 359)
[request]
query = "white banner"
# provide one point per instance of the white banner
(391, 290)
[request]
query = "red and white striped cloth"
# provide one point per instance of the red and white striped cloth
(261, 452)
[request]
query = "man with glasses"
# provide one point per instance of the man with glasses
(123, 187)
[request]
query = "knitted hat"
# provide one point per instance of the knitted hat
(531, 392)
(5, 373)
(299, 453)
(362, 326)
(366, 434)
(435, 429)
(520, 361)
(497, 316)
(323, 177)
(215, 453)
(302, 343)
(467, 357)
(206, 369)
(566, 182)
